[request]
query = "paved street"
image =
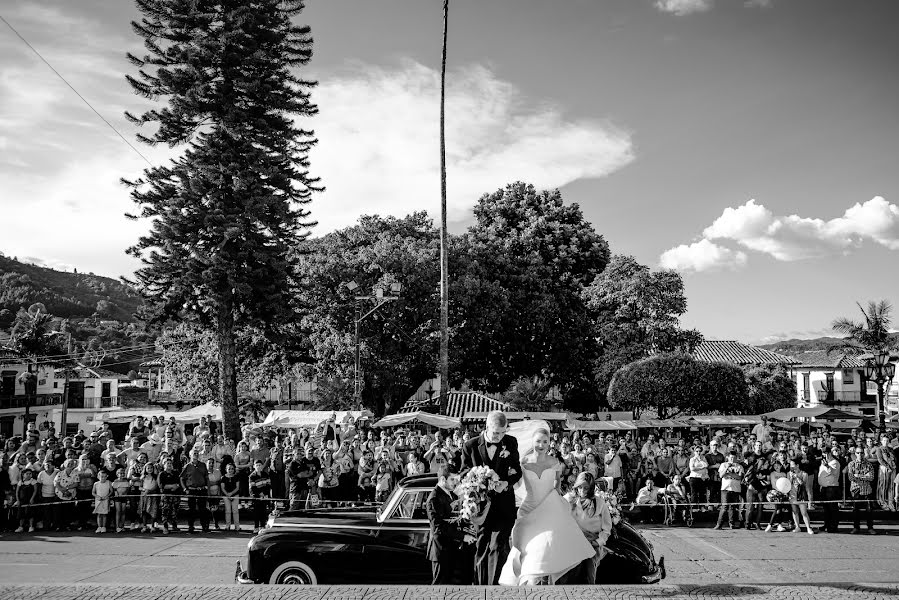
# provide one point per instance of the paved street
(234, 592)
(699, 556)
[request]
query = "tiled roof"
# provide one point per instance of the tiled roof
(459, 403)
(835, 360)
(739, 354)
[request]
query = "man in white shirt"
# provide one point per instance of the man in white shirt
(650, 446)
(762, 431)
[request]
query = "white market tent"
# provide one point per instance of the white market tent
(128, 415)
(210, 409)
(310, 418)
(439, 421)
(576, 425)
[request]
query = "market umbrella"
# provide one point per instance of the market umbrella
(818, 412)
(439, 421)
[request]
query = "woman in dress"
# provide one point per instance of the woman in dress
(546, 540)
(799, 496)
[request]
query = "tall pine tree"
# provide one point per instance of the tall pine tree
(227, 213)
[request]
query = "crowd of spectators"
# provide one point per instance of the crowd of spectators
(165, 476)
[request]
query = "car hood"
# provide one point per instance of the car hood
(331, 517)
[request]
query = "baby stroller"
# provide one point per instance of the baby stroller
(671, 505)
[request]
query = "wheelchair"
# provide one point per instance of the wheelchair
(671, 506)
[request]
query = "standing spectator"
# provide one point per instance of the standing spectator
(861, 474)
(276, 470)
(195, 483)
(811, 460)
(829, 483)
(612, 466)
(87, 475)
(731, 475)
(415, 466)
(244, 465)
(170, 486)
(102, 492)
(715, 459)
(383, 482)
(329, 477)
(149, 499)
(347, 468)
(756, 489)
(366, 480)
(762, 431)
(47, 481)
(66, 484)
(214, 490)
(122, 494)
(799, 495)
(26, 497)
(230, 489)
(886, 473)
(698, 475)
(260, 489)
(781, 508)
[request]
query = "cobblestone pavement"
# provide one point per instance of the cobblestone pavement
(849, 591)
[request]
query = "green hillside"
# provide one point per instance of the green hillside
(795, 345)
(66, 295)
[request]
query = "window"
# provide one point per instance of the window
(849, 376)
(412, 505)
(806, 386)
(55, 386)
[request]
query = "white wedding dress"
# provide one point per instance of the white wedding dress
(546, 540)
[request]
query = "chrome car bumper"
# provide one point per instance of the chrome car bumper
(657, 574)
(240, 576)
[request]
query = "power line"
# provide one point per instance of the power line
(83, 99)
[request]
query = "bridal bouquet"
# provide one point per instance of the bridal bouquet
(475, 490)
(612, 502)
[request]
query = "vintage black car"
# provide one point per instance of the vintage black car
(386, 545)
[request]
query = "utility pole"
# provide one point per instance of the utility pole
(65, 389)
(444, 249)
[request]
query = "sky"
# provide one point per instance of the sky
(749, 144)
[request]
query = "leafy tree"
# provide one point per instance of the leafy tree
(399, 340)
(32, 337)
(518, 306)
(254, 408)
(769, 388)
(333, 393)
(636, 313)
(675, 383)
(227, 212)
(529, 394)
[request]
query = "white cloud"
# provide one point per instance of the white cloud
(795, 238)
(688, 7)
(701, 256)
(684, 7)
(789, 238)
(379, 153)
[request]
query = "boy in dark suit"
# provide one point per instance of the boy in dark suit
(446, 537)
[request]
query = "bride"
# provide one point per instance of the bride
(546, 540)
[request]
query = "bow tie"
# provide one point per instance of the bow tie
(492, 444)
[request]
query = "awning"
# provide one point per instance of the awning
(126, 416)
(459, 403)
(726, 420)
(481, 416)
(819, 412)
(660, 423)
(575, 425)
(441, 421)
(210, 409)
(294, 419)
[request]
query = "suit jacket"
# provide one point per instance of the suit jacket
(445, 536)
(474, 454)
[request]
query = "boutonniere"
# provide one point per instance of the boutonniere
(503, 453)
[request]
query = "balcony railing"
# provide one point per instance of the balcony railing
(104, 402)
(22, 400)
(842, 397)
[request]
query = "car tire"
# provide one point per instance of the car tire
(293, 572)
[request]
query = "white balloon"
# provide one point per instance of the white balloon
(783, 485)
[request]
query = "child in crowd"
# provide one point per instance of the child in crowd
(26, 495)
(214, 489)
(102, 492)
(230, 487)
(260, 489)
(383, 482)
(149, 500)
(121, 487)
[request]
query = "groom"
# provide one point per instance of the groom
(498, 451)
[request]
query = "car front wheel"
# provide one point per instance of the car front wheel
(293, 573)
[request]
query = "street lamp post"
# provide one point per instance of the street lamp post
(880, 370)
(380, 300)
